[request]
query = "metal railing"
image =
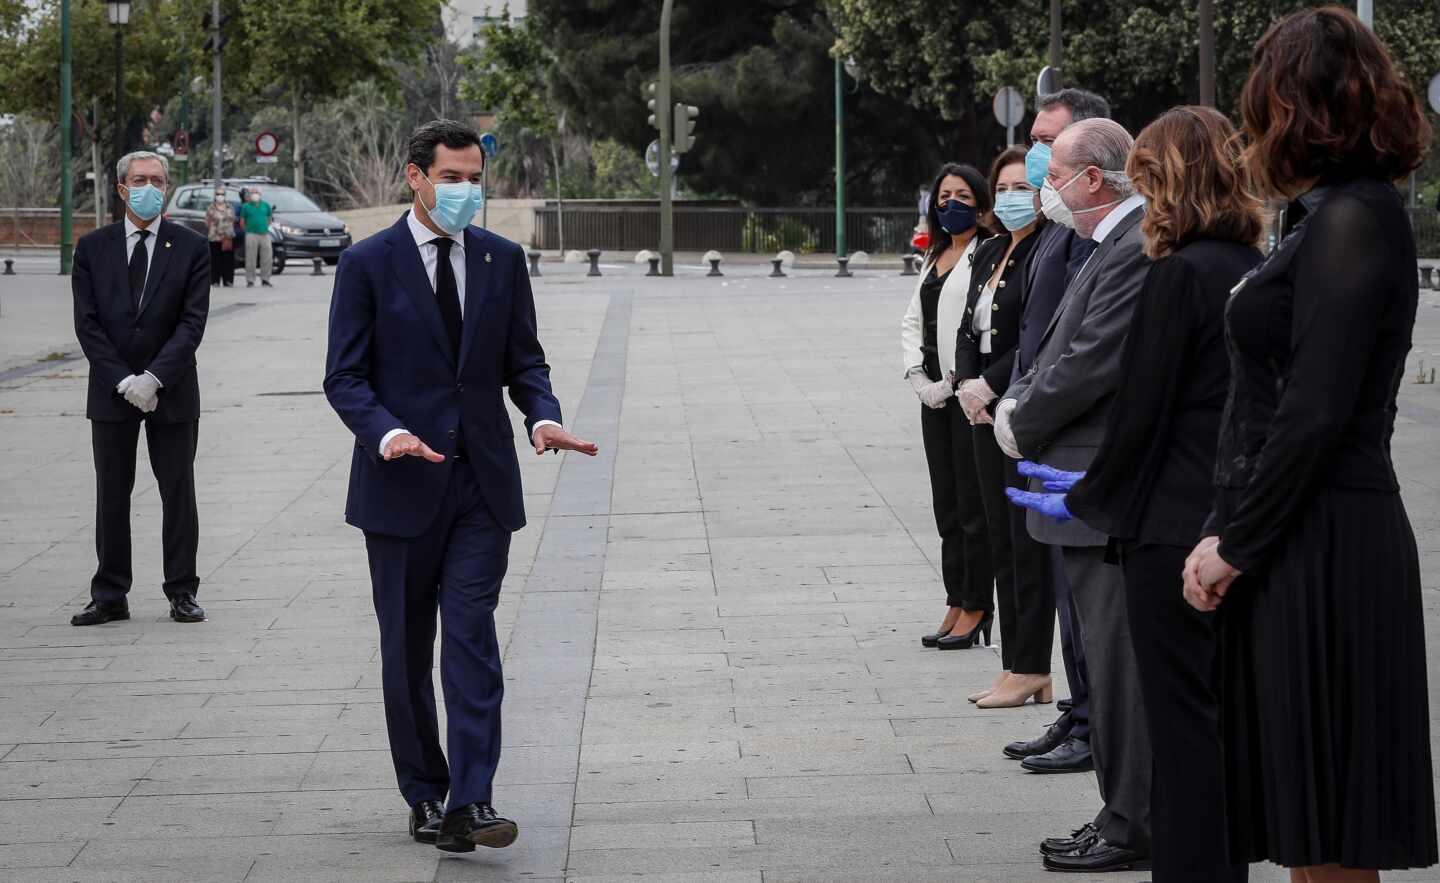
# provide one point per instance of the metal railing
(1426, 223)
(727, 228)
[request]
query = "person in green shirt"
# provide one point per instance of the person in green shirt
(255, 215)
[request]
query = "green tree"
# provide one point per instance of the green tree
(312, 51)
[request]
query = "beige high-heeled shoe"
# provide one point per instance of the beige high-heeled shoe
(1019, 689)
(981, 694)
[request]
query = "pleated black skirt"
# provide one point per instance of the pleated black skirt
(1326, 718)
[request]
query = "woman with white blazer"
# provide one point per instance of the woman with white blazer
(959, 201)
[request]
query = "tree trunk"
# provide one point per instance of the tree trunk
(299, 149)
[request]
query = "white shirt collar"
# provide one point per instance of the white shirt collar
(1117, 215)
(131, 228)
(424, 235)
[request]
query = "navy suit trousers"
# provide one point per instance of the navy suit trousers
(456, 566)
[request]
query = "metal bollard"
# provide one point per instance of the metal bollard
(594, 254)
(654, 267)
(909, 266)
(714, 268)
(1435, 278)
(777, 272)
(534, 256)
(844, 268)
(9, 267)
(318, 264)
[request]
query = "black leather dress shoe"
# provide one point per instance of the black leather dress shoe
(1080, 838)
(475, 824)
(184, 609)
(1070, 756)
(1098, 857)
(425, 819)
(97, 613)
(1047, 741)
(1064, 705)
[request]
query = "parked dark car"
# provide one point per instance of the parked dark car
(300, 230)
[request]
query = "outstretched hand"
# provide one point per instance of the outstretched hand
(408, 445)
(1052, 505)
(1052, 478)
(552, 438)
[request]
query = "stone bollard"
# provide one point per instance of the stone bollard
(777, 272)
(594, 255)
(654, 266)
(844, 268)
(909, 266)
(713, 258)
(9, 267)
(317, 265)
(534, 256)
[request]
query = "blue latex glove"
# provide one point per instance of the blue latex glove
(1053, 479)
(1052, 505)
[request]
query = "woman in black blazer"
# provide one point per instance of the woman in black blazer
(984, 357)
(1149, 486)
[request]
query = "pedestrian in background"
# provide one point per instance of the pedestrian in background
(1308, 549)
(220, 225)
(255, 215)
(984, 359)
(959, 201)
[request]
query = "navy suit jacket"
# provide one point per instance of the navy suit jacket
(161, 338)
(389, 366)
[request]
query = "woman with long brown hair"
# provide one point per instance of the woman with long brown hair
(1149, 486)
(1308, 551)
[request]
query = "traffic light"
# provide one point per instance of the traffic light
(685, 116)
(206, 24)
(649, 93)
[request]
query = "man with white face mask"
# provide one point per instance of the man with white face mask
(430, 322)
(1056, 414)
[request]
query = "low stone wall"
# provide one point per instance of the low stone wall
(20, 228)
(513, 219)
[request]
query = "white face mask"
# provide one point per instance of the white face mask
(1055, 208)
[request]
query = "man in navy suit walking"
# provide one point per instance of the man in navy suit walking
(429, 321)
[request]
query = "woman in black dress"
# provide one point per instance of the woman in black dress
(1149, 486)
(1308, 550)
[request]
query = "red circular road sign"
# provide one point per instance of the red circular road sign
(181, 142)
(266, 144)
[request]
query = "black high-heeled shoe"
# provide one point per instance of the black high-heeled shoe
(932, 640)
(967, 640)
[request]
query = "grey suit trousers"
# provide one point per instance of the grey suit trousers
(1119, 740)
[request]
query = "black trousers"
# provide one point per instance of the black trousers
(172, 459)
(1177, 648)
(1023, 594)
(222, 265)
(959, 512)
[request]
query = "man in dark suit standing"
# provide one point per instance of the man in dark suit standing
(142, 295)
(430, 321)
(1056, 413)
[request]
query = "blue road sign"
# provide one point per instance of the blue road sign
(490, 144)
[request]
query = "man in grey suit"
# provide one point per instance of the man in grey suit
(1056, 414)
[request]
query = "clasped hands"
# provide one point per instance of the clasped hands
(1208, 577)
(141, 390)
(1057, 481)
(548, 437)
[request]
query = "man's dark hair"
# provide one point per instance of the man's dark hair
(1081, 104)
(427, 137)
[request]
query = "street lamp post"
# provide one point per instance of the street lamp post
(839, 158)
(67, 173)
(1207, 52)
(119, 12)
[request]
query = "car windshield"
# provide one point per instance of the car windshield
(285, 199)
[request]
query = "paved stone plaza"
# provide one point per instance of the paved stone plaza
(710, 631)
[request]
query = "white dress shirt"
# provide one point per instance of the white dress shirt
(980, 323)
(430, 256)
(132, 239)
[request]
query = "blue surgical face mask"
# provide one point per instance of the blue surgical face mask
(1037, 163)
(1015, 209)
(455, 205)
(146, 202)
(956, 217)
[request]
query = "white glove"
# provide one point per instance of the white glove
(974, 395)
(142, 391)
(1003, 434)
(932, 395)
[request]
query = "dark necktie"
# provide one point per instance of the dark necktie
(448, 294)
(139, 263)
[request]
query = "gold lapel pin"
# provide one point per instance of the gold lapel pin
(487, 257)
(167, 244)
